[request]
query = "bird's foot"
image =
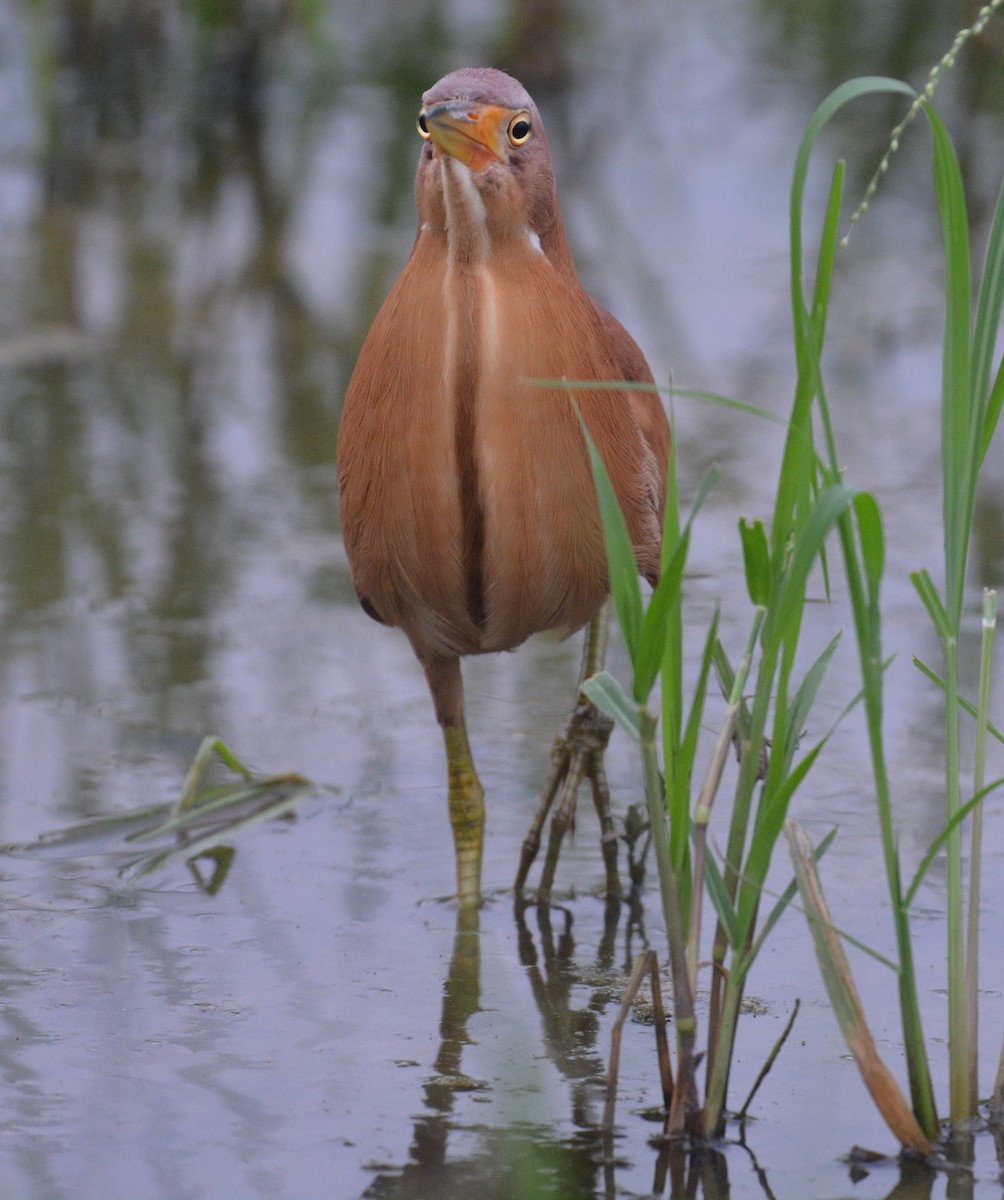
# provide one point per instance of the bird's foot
(577, 754)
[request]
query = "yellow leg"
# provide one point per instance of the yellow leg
(467, 813)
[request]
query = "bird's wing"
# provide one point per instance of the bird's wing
(646, 406)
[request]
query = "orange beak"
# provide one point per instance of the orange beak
(472, 133)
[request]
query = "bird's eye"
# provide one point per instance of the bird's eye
(423, 127)
(519, 130)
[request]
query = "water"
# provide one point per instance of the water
(198, 218)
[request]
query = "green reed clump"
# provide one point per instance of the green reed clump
(779, 557)
(972, 394)
(767, 734)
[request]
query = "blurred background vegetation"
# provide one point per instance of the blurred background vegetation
(202, 204)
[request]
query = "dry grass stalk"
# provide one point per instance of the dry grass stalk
(647, 964)
(846, 1002)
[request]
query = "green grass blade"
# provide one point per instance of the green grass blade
(199, 847)
(688, 744)
(621, 562)
(811, 355)
(756, 561)
(993, 410)
(793, 492)
(846, 93)
(988, 315)
(740, 406)
(826, 258)
(657, 625)
(939, 842)
(610, 698)
(724, 910)
(805, 697)
(932, 602)
(655, 622)
(770, 820)
(871, 540)
(959, 427)
(217, 807)
(826, 511)
(964, 703)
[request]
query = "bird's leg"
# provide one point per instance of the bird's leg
(467, 813)
(584, 741)
(577, 754)
(604, 811)
(466, 796)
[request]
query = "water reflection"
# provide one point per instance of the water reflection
(461, 998)
(583, 1166)
(837, 41)
(580, 1166)
(506, 1159)
(201, 208)
(821, 45)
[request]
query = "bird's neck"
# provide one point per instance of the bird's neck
(479, 219)
(477, 229)
(467, 234)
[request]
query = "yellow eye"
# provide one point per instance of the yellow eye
(519, 129)
(423, 128)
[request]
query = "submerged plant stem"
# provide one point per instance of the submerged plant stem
(976, 847)
(771, 1059)
(846, 1001)
(958, 1015)
(868, 627)
(709, 790)
(647, 964)
(684, 1116)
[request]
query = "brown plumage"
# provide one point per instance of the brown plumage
(467, 503)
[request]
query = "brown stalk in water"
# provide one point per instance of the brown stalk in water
(846, 1002)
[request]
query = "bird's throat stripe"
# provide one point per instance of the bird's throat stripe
(466, 218)
(464, 343)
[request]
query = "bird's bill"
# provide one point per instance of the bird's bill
(472, 133)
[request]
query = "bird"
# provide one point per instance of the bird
(467, 505)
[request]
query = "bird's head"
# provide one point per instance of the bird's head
(485, 162)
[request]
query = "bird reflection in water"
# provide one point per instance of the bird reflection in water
(570, 1042)
(572, 997)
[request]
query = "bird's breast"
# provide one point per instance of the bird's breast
(530, 537)
(480, 526)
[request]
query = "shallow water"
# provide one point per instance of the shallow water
(197, 221)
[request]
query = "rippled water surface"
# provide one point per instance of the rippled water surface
(199, 212)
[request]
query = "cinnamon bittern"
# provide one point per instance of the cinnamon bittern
(468, 507)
